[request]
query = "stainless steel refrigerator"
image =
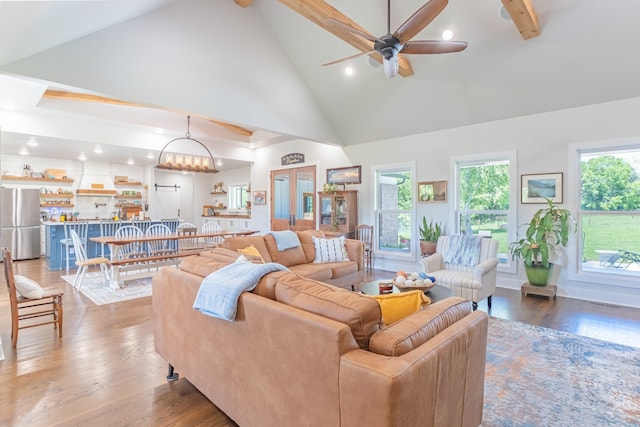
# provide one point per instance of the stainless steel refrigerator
(20, 222)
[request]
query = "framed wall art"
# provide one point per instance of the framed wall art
(536, 188)
(348, 175)
(259, 197)
(432, 192)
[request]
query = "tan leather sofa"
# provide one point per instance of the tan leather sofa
(344, 274)
(304, 353)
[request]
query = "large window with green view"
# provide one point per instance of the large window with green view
(484, 200)
(609, 217)
(395, 211)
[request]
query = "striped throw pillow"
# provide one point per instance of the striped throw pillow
(330, 250)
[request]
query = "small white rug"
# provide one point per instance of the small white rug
(94, 288)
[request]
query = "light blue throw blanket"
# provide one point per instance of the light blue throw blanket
(219, 291)
(286, 239)
(463, 250)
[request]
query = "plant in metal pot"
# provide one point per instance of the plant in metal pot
(429, 233)
(548, 229)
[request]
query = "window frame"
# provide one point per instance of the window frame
(575, 271)
(411, 255)
(232, 197)
(512, 213)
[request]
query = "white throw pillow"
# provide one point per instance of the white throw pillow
(27, 287)
(330, 250)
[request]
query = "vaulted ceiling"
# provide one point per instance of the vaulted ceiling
(256, 65)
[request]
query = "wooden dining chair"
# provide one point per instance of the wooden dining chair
(84, 263)
(159, 247)
(30, 302)
(80, 227)
(364, 233)
(108, 227)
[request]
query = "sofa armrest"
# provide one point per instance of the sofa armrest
(433, 263)
(440, 382)
(355, 249)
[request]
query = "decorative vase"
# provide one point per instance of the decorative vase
(538, 275)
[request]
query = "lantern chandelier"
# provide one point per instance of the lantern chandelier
(186, 162)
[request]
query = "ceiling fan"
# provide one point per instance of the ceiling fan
(390, 45)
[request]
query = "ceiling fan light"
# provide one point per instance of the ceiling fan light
(447, 35)
(390, 67)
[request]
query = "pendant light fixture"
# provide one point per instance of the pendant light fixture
(186, 162)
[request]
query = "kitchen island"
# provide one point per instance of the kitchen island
(54, 232)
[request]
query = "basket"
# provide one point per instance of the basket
(404, 288)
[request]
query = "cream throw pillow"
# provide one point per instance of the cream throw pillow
(330, 250)
(27, 287)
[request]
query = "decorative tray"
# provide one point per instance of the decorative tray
(428, 284)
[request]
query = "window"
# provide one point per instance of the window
(238, 196)
(609, 213)
(484, 200)
(395, 211)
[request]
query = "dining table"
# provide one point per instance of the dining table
(146, 264)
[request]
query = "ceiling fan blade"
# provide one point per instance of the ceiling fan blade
(334, 22)
(349, 57)
(433, 46)
(420, 19)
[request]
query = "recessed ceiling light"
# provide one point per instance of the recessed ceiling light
(82, 157)
(447, 35)
(150, 156)
(219, 162)
(252, 145)
(349, 70)
(130, 162)
(98, 150)
(32, 143)
(24, 152)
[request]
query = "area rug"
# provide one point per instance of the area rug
(543, 377)
(94, 288)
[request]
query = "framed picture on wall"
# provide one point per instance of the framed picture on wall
(259, 197)
(536, 188)
(348, 175)
(432, 192)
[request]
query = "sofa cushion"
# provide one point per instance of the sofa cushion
(418, 328)
(399, 305)
(330, 250)
(361, 313)
(266, 286)
(241, 242)
(344, 268)
(204, 265)
(307, 243)
(28, 288)
(320, 272)
(288, 257)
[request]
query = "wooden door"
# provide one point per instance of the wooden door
(291, 195)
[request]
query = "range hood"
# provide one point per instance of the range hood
(96, 174)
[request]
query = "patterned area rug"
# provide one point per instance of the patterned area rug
(542, 377)
(94, 288)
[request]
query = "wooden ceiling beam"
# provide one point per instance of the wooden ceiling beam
(318, 11)
(524, 17)
(243, 3)
(86, 97)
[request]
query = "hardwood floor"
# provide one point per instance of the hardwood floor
(105, 372)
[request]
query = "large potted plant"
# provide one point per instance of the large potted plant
(429, 233)
(548, 229)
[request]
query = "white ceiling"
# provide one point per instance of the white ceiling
(584, 55)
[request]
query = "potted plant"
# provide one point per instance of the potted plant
(429, 233)
(549, 228)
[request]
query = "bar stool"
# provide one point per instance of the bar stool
(66, 244)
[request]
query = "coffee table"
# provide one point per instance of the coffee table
(437, 293)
